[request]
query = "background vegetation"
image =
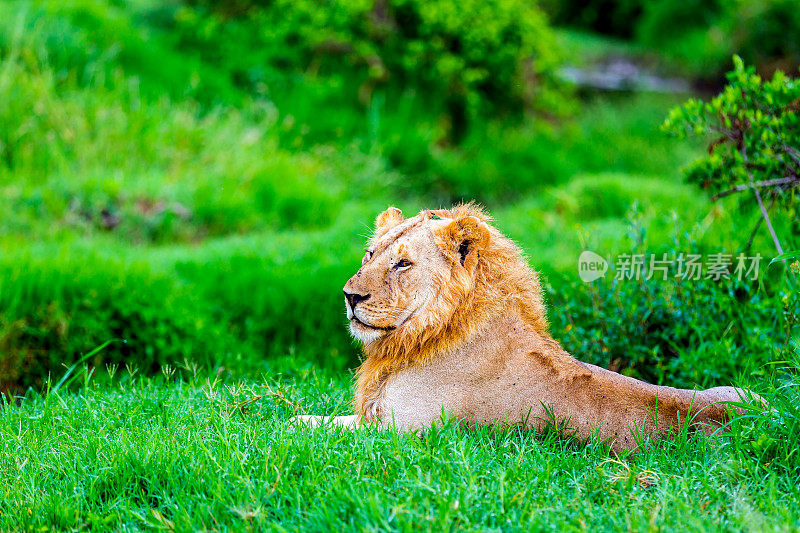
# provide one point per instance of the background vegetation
(194, 181)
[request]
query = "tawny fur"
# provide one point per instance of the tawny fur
(453, 320)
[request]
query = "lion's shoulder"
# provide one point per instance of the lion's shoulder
(556, 362)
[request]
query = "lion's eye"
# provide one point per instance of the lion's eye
(402, 264)
(367, 257)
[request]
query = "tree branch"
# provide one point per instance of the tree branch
(766, 183)
(743, 151)
(792, 152)
(758, 225)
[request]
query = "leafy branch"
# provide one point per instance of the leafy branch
(756, 135)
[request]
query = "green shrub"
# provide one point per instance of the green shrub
(56, 307)
(674, 331)
(766, 33)
(662, 20)
(611, 195)
(500, 163)
(470, 56)
(701, 36)
(611, 17)
(235, 302)
(89, 41)
(101, 158)
(281, 294)
(754, 131)
(696, 333)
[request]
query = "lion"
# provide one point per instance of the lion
(453, 322)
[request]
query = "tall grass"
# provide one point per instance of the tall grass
(770, 436)
(185, 451)
(101, 156)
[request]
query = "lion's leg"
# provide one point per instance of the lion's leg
(704, 410)
(733, 394)
(350, 421)
(715, 406)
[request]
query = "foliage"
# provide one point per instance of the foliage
(234, 303)
(771, 436)
(766, 32)
(756, 129)
(662, 19)
(106, 159)
(90, 41)
(612, 17)
(500, 163)
(651, 330)
(669, 330)
(54, 309)
(466, 57)
(701, 36)
(697, 36)
(278, 294)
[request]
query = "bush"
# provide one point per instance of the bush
(700, 35)
(703, 35)
(89, 41)
(55, 308)
(610, 196)
(500, 163)
(466, 57)
(662, 19)
(236, 302)
(766, 33)
(281, 294)
(611, 17)
(754, 134)
(696, 333)
(681, 332)
(102, 158)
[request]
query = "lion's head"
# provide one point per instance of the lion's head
(427, 282)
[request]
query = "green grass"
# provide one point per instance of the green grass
(189, 453)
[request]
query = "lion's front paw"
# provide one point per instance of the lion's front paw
(307, 420)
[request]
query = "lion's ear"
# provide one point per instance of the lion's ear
(463, 240)
(387, 220)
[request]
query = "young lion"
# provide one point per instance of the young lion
(452, 320)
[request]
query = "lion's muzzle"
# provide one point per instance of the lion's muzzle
(351, 299)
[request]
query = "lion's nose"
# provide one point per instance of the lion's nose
(354, 298)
